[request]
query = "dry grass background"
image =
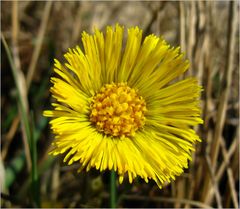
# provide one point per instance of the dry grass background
(36, 32)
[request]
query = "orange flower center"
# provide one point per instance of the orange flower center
(118, 110)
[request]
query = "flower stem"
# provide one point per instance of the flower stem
(113, 189)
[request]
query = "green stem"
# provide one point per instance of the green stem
(34, 174)
(113, 189)
(26, 123)
(19, 98)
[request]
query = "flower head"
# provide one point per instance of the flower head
(119, 109)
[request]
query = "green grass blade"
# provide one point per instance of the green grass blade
(26, 124)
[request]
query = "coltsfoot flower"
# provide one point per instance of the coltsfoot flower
(119, 109)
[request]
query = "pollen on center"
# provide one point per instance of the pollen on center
(118, 110)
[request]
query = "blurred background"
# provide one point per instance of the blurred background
(34, 33)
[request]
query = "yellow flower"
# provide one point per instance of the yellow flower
(119, 109)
